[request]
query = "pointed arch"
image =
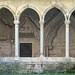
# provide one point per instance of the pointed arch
(71, 9)
(8, 6)
(54, 18)
(22, 7)
(50, 7)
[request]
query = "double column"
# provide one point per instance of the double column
(67, 23)
(16, 22)
(41, 38)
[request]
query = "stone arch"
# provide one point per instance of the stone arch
(22, 7)
(71, 9)
(27, 20)
(52, 28)
(50, 7)
(10, 7)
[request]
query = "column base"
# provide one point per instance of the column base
(42, 58)
(16, 58)
(66, 56)
(41, 55)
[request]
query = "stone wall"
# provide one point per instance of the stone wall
(72, 41)
(23, 68)
(5, 49)
(7, 46)
(29, 34)
(59, 43)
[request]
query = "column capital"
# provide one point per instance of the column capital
(41, 22)
(67, 22)
(67, 14)
(16, 20)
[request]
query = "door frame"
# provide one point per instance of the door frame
(27, 40)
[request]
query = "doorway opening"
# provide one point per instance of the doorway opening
(25, 49)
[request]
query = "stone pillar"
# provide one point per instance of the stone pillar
(41, 38)
(67, 37)
(16, 22)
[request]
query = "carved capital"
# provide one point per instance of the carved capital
(41, 22)
(67, 22)
(16, 20)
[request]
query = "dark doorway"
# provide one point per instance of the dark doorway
(25, 49)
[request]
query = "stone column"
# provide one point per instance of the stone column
(16, 22)
(41, 38)
(67, 22)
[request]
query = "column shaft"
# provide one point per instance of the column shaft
(41, 38)
(16, 22)
(67, 38)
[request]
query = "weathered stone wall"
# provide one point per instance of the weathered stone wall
(7, 46)
(23, 68)
(5, 49)
(72, 41)
(59, 43)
